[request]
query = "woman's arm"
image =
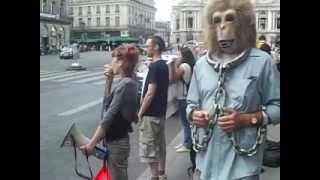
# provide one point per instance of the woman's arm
(107, 120)
(98, 135)
(176, 70)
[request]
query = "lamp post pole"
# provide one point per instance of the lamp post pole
(76, 54)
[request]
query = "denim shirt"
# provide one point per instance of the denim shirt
(250, 85)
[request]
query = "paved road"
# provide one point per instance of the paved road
(67, 97)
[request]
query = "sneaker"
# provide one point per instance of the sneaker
(182, 149)
(163, 177)
(178, 146)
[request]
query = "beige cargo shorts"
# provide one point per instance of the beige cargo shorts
(152, 142)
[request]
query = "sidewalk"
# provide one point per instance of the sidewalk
(178, 163)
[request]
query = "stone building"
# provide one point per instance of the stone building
(268, 20)
(163, 30)
(112, 18)
(54, 24)
(187, 21)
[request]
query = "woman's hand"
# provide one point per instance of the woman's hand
(108, 71)
(88, 148)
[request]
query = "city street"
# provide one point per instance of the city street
(67, 97)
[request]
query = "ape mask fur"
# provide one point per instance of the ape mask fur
(231, 26)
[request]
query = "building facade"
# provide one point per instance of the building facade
(163, 30)
(112, 18)
(187, 21)
(54, 24)
(268, 20)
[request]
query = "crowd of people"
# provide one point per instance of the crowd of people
(230, 93)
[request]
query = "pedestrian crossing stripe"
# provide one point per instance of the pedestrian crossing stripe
(81, 76)
(62, 76)
(89, 79)
(95, 78)
(100, 83)
(54, 73)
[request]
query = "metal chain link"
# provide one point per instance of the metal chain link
(217, 108)
(214, 113)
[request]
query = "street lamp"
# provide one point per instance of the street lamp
(76, 53)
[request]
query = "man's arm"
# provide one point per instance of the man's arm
(270, 93)
(147, 99)
(269, 89)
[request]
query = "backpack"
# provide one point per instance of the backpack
(271, 156)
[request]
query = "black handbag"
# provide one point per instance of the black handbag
(271, 156)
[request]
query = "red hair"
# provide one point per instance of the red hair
(129, 54)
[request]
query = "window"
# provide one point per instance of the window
(262, 21)
(80, 21)
(70, 11)
(177, 24)
(107, 9)
(89, 10)
(98, 21)
(117, 8)
(190, 22)
(278, 21)
(117, 21)
(44, 6)
(89, 21)
(53, 4)
(98, 9)
(80, 11)
(107, 21)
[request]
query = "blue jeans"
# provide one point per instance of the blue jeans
(182, 104)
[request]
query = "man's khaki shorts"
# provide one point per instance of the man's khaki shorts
(152, 142)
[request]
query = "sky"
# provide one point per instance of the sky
(164, 9)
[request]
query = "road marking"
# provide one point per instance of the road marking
(41, 71)
(100, 82)
(77, 77)
(81, 108)
(62, 76)
(89, 79)
(171, 156)
(54, 73)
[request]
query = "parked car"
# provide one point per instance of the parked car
(43, 50)
(66, 52)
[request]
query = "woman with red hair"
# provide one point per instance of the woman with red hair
(119, 111)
